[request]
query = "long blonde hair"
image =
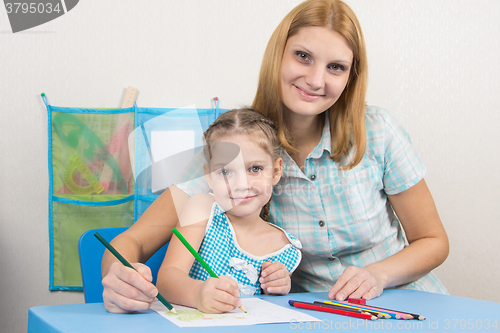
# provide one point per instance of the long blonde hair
(347, 115)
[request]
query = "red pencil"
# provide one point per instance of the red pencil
(310, 306)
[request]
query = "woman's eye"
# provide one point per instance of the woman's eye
(302, 55)
(336, 67)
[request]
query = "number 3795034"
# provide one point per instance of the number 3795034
(32, 8)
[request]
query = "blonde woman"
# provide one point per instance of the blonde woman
(352, 185)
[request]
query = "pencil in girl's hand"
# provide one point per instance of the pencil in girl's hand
(311, 306)
(126, 263)
(198, 257)
(194, 253)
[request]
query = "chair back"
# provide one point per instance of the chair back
(91, 251)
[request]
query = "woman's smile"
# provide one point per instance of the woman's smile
(308, 95)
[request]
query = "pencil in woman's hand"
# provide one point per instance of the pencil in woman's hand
(126, 263)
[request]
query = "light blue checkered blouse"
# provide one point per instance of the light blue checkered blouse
(342, 218)
(222, 253)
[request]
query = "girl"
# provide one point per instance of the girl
(352, 186)
(243, 165)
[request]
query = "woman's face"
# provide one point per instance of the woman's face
(314, 71)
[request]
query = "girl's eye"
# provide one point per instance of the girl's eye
(255, 169)
(224, 172)
(302, 56)
(336, 68)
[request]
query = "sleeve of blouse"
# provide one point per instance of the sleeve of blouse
(403, 168)
(192, 180)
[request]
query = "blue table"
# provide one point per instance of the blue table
(444, 314)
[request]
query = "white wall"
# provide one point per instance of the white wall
(433, 63)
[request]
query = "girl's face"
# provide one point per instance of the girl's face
(314, 71)
(243, 185)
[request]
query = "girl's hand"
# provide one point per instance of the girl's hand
(275, 279)
(126, 290)
(357, 282)
(218, 295)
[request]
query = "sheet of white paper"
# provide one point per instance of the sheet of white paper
(258, 312)
(166, 144)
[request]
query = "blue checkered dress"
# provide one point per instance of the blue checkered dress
(219, 246)
(342, 218)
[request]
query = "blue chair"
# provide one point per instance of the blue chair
(91, 252)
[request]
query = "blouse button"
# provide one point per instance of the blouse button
(312, 177)
(331, 259)
(321, 223)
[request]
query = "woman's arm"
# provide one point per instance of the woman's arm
(428, 248)
(175, 284)
(124, 289)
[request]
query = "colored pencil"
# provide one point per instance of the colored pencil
(391, 313)
(386, 314)
(126, 263)
(373, 313)
(415, 316)
(311, 306)
(198, 257)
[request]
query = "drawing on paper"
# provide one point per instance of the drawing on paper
(258, 312)
(193, 315)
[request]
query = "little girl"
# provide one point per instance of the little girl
(225, 226)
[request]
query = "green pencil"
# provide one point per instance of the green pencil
(126, 263)
(198, 257)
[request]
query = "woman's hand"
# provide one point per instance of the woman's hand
(218, 295)
(427, 249)
(275, 278)
(357, 282)
(126, 290)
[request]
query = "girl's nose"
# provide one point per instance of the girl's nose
(240, 182)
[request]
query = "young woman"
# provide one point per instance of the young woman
(351, 180)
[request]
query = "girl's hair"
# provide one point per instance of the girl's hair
(347, 115)
(258, 128)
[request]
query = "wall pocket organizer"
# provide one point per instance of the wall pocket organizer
(102, 174)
